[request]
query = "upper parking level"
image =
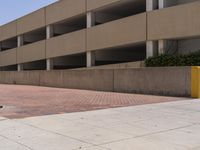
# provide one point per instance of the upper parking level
(66, 16)
(63, 12)
(174, 22)
(108, 28)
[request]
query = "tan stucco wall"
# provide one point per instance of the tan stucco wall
(174, 22)
(31, 22)
(71, 43)
(52, 78)
(7, 78)
(7, 31)
(8, 57)
(31, 52)
(85, 79)
(23, 78)
(120, 32)
(160, 81)
(27, 78)
(64, 9)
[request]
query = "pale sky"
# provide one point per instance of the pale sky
(13, 9)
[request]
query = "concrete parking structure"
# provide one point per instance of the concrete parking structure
(84, 33)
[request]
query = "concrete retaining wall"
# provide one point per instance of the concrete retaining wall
(101, 80)
(172, 81)
(159, 81)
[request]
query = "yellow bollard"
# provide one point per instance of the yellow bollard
(195, 82)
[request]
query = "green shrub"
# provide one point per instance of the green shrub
(192, 59)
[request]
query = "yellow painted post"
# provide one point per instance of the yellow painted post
(195, 82)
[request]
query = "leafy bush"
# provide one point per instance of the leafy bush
(192, 59)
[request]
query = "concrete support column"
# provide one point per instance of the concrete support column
(0, 47)
(161, 43)
(20, 67)
(90, 56)
(151, 5)
(49, 31)
(151, 46)
(151, 49)
(161, 4)
(20, 42)
(90, 19)
(90, 59)
(161, 47)
(49, 64)
(49, 34)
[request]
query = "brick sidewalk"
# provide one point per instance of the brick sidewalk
(26, 101)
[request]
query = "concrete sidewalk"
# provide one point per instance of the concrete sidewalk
(163, 126)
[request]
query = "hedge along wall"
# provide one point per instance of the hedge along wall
(192, 59)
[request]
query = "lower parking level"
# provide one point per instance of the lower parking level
(26, 101)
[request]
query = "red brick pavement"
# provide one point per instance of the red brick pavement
(26, 101)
